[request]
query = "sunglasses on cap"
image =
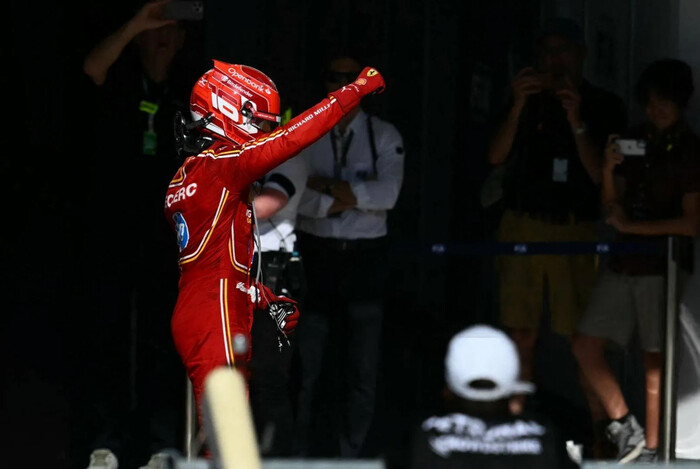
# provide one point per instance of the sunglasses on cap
(333, 76)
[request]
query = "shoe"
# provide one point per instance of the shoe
(628, 436)
(103, 458)
(600, 447)
(647, 455)
(158, 461)
(575, 451)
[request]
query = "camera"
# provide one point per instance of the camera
(632, 146)
(183, 10)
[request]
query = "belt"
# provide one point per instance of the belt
(341, 244)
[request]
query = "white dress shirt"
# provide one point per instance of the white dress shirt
(277, 232)
(375, 193)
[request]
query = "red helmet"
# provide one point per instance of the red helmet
(238, 99)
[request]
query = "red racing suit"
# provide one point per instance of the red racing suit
(208, 204)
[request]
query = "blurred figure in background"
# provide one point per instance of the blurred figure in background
(648, 194)
(355, 176)
(142, 76)
(551, 139)
(479, 429)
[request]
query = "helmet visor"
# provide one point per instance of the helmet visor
(260, 120)
(265, 121)
(263, 124)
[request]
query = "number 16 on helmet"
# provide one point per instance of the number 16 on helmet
(243, 103)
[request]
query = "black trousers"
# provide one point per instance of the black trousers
(271, 397)
(338, 345)
(131, 391)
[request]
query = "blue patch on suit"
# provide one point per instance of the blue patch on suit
(183, 233)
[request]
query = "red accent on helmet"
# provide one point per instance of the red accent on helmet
(239, 98)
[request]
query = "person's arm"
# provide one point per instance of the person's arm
(376, 194)
(315, 204)
(502, 140)
(588, 153)
(280, 187)
(339, 206)
(524, 84)
(269, 202)
(612, 187)
(328, 196)
(688, 224)
(242, 166)
(587, 150)
(383, 192)
(99, 60)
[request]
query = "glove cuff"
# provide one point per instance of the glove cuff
(369, 81)
(347, 97)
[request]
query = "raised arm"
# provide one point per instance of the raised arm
(258, 157)
(525, 83)
(99, 60)
(612, 188)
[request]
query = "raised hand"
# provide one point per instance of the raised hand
(612, 156)
(150, 16)
(527, 82)
(571, 102)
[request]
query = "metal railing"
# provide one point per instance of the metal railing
(667, 430)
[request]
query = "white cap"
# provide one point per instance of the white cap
(482, 352)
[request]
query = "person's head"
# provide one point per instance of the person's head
(482, 366)
(235, 102)
(664, 89)
(560, 50)
(160, 45)
(342, 70)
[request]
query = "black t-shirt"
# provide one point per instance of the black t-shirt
(545, 175)
(457, 441)
(136, 123)
(136, 157)
(654, 188)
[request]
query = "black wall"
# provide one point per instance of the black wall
(447, 66)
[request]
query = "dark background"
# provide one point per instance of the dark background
(447, 65)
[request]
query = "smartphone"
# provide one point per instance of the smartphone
(183, 10)
(632, 146)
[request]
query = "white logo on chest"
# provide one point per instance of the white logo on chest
(181, 194)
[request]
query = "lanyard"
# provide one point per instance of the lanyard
(151, 109)
(150, 139)
(340, 146)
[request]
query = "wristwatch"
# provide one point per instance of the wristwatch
(580, 129)
(328, 189)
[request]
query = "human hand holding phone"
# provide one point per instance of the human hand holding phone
(526, 83)
(183, 10)
(631, 146)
